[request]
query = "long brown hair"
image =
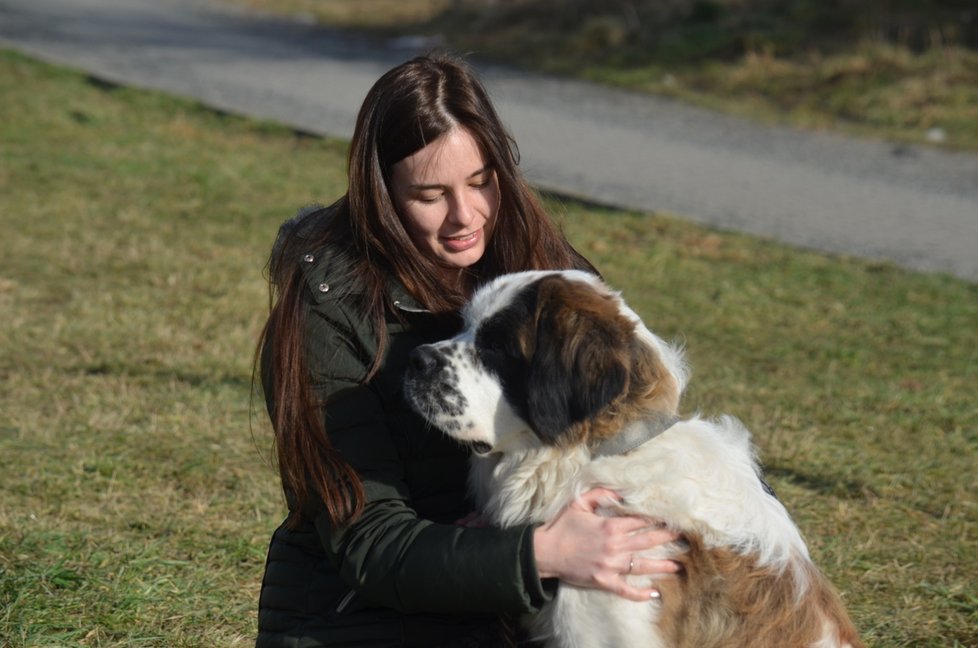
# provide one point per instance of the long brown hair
(409, 107)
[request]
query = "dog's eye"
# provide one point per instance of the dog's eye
(495, 351)
(498, 349)
(495, 343)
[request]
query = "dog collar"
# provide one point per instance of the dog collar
(634, 435)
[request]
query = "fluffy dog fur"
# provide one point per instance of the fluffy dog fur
(549, 369)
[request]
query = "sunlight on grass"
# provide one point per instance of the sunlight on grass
(138, 498)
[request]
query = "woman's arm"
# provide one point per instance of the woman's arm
(394, 559)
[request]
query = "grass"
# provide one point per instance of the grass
(137, 498)
(880, 68)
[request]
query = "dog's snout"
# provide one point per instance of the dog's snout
(425, 360)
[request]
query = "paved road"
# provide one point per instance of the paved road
(917, 207)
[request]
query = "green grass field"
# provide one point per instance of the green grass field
(136, 492)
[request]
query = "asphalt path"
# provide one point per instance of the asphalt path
(914, 206)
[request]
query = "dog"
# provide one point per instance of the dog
(558, 387)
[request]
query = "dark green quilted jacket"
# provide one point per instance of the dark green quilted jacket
(403, 574)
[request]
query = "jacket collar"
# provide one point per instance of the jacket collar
(327, 275)
(402, 300)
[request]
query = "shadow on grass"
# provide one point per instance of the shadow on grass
(831, 485)
(168, 375)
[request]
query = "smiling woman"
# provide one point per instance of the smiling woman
(448, 197)
(379, 547)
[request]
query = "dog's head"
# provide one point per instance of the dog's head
(545, 358)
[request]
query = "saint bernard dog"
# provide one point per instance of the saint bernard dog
(559, 387)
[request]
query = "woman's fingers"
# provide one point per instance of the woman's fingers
(618, 585)
(596, 498)
(624, 586)
(638, 566)
(636, 534)
(647, 537)
(590, 544)
(599, 497)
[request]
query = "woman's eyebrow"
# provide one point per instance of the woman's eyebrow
(485, 169)
(422, 187)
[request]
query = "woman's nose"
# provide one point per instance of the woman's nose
(461, 210)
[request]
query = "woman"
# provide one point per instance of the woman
(378, 549)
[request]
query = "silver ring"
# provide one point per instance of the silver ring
(631, 563)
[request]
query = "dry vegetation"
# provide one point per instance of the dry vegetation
(884, 68)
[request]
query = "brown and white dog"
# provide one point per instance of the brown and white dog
(559, 387)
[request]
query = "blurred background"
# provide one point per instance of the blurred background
(904, 69)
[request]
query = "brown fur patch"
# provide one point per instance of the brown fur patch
(598, 338)
(723, 599)
(594, 341)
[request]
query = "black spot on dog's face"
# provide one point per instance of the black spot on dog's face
(499, 350)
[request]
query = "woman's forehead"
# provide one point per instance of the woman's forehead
(456, 154)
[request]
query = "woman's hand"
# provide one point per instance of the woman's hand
(585, 549)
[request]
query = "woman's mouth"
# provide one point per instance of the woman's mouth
(462, 242)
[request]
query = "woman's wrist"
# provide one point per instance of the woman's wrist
(544, 552)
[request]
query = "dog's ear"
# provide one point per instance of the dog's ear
(580, 357)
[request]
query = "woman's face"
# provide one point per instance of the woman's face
(448, 196)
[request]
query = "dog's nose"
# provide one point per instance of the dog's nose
(426, 360)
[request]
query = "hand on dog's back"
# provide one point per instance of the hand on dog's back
(583, 548)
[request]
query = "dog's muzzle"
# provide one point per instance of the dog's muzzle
(430, 384)
(431, 387)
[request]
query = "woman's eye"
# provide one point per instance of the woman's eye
(428, 199)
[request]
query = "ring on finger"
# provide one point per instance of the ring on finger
(631, 563)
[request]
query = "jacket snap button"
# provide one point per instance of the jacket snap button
(308, 258)
(324, 287)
